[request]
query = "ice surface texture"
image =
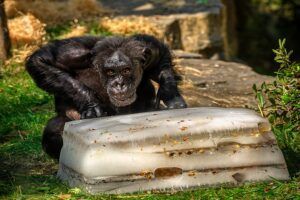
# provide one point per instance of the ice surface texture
(173, 149)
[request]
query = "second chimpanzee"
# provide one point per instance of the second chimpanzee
(97, 76)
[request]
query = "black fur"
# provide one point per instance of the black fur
(75, 71)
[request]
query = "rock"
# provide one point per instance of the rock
(186, 25)
(186, 55)
(200, 32)
(217, 83)
(55, 11)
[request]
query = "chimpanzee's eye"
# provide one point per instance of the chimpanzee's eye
(126, 71)
(110, 72)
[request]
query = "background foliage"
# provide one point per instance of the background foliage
(280, 102)
(260, 24)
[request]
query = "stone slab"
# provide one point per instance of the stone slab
(218, 83)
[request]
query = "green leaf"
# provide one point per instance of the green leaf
(275, 51)
(261, 100)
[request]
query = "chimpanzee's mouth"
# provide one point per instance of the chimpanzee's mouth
(122, 100)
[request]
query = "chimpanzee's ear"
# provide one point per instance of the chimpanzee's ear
(146, 51)
(147, 55)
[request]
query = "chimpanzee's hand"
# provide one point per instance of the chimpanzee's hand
(92, 111)
(176, 102)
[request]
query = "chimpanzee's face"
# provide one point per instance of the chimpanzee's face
(121, 76)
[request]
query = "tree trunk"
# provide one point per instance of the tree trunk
(4, 37)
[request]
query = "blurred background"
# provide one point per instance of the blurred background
(239, 30)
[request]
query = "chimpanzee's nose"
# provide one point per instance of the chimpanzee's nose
(119, 85)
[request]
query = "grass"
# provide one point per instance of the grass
(27, 173)
(93, 28)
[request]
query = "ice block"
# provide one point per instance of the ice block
(170, 150)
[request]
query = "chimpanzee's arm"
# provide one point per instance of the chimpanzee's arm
(159, 67)
(52, 66)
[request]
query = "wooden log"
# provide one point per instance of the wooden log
(4, 36)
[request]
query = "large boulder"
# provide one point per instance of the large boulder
(217, 83)
(183, 24)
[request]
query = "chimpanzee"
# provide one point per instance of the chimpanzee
(102, 76)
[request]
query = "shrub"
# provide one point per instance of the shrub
(280, 102)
